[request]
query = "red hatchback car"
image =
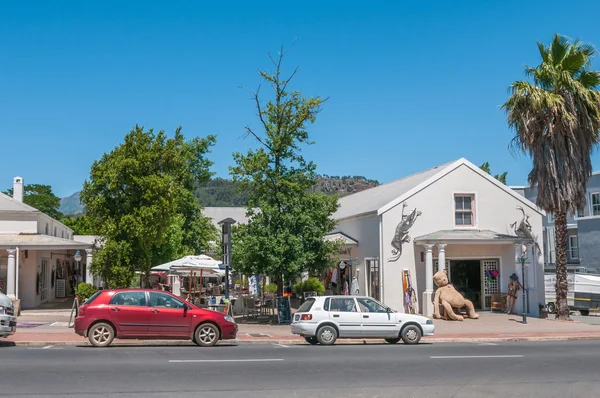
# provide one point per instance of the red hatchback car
(149, 314)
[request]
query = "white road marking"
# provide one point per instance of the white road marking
(48, 347)
(282, 345)
(487, 344)
(475, 356)
(221, 360)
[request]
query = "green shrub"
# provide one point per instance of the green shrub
(85, 291)
(309, 285)
(314, 285)
(271, 288)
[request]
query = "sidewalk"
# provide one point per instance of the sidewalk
(35, 328)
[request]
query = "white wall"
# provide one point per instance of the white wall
(495, 210)
(62, 231)
(18, 223)
(365, 229)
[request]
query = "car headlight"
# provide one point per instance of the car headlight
(429, 322)
(229, 319)
(1, 310)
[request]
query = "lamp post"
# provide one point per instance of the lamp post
(77, 258)
(523, 258)
(226, 245)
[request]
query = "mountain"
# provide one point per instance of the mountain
(220, 192)
(71, 205)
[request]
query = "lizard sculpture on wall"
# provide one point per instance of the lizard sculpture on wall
(401, 235)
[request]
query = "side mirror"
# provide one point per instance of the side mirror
(185, 309)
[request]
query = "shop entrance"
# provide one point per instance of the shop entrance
(466, 278)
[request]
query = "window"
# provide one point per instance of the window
(464, 210)
(551, 218)
(91, 299)
(129, 298)
(306, 306)
(62, 234)
(596, 204)
(164, 301)
(369, 305)
(46, 233)
(342, 305)
(573, 247)
(580, 213)
(54, 231)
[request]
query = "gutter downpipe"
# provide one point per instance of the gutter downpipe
(17, 276)
(381, 263)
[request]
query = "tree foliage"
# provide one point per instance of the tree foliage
(287, 222)
(500, 177)
(140, 198)
(42, 198)
(556, 117)
(80, 224)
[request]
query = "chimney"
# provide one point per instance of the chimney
(18, 189)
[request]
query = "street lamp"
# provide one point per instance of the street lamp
(523, 258)
(77, 258)
(226, 245)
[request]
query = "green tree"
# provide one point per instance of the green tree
(500, 177)
(80, 224)
(556, 117)
(42, 198)
(140, 198)
(287, 222)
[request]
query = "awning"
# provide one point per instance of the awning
(340, 236)
(40, 242)
(470, 236)
(190, 263)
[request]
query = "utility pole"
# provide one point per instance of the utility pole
(226, 245)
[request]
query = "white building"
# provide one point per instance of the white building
(37, 253)
(464, 225)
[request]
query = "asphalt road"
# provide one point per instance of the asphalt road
(554, 369)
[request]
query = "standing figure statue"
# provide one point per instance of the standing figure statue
(401, 236)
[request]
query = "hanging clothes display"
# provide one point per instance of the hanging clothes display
(334, 276)
(410, 296)
(346, 289)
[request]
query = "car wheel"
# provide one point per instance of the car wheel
(311, 340)
(411, 334)
(101, 334)
(327, 335)
(207, 335)
(393, 341)
(551, 308)
(584, 312)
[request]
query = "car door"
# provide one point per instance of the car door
(129, 312)
(377, 320)
(343, 311)
(168, 316)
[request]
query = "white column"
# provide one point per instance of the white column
(10, 275)
(441, 256)
(428, 293)
(89, 278)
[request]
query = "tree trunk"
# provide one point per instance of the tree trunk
(562, 286)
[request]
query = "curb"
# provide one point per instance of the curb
(143, 343)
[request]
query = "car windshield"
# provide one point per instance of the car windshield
(91, 299)
(306, 306)
(5, 301)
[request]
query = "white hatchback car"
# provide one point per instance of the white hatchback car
(324, 319)
(8, 321)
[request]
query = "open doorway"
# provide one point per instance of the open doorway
(466, 278)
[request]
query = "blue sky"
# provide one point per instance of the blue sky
(411, 84)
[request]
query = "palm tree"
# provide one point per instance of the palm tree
(556, 118)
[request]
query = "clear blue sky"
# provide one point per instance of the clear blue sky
(412, 84)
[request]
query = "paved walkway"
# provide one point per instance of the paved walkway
(50, 327)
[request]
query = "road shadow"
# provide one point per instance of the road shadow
(7, 344)
(152, 346)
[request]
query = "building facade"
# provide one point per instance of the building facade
(454, 217)
(38, 254)
(583, 236)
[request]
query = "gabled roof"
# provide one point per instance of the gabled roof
(372, 199)
(9, 204)
(444, 170)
